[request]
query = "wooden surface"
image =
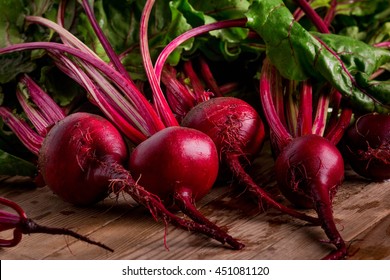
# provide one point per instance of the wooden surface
(361, 210)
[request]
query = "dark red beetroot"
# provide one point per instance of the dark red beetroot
(78, 158)
(367, 146)
(309, 167)
(238, 132)
(234, 125)
(176, 160)
(309, 170)
(180, 165)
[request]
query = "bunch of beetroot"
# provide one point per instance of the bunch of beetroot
(182, 137)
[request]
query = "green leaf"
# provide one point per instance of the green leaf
(14, 64)
(62, 88)
(11, 22)
(13, 30)
(298, 54)
(14, 166)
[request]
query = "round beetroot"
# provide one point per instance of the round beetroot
(367, 146)
(309, 161)
(174, 160)
(232, 123)
(76, 155)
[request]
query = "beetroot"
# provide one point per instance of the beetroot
(176, 160)
(367, 146)
(179, 165)
(307, 165)
(233, 124)
(309, 171)
(79, 156)
(309, 168)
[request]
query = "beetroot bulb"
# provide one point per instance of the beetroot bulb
(238, 132)
(79, 157)
(308, 167)
(309, 171)
(366, 145)
(178, 164)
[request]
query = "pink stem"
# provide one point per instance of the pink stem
(169, 48)
(320, 118)
(209, 77)
(196, 83)
(138, 99)
(104, 41)
(305, 109)
(23, 225)
(159, 99)
(282, 136)
(27, 136)
(336, 133)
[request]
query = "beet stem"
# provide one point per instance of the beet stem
(186, 205)
(24, 225)
(323, 207)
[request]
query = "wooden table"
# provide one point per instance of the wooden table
(361, 210)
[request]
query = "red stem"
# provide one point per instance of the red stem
(159, 99)
(320, 118)
(291, 108)
(126, 183)
(316, 19)
(111, 103)
(45, 103)
(104, 41)
(209, 77)
(323, 207)
(196, 83)
(180, 99)
(322, 26)
(23, 225)
(336, 133)
(282, 136)
(330, 13)
(305, 116)
(169, 48)
(138, 99)
(261, 195)
(184, 200)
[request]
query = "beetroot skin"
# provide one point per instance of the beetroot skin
(174, 160)
(75, 157)
(367, 146)
(309, 160)
(233, 124)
